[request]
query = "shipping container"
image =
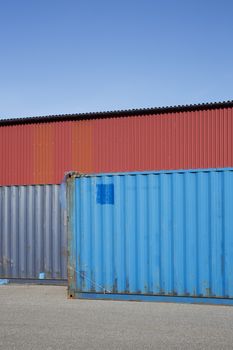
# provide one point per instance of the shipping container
(41, 150)
(33, 242)
(156, 236)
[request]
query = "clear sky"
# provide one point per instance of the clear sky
(68, 56)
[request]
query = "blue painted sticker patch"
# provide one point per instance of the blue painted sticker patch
(105, 194)
(4, 281)
(41, 276)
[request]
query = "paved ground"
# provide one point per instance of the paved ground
(40, 317)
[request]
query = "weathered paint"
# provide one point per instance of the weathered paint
(40, 153)
(165, 234)
(33, 243)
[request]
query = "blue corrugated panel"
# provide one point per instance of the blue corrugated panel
(166, 233)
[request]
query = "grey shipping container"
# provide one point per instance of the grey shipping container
(33, 243)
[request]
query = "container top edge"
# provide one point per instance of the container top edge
(117, 113)
(73, 174)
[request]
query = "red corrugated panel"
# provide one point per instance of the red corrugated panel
(41, 153)
(174, 141)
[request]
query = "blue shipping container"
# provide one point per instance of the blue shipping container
(151, 236)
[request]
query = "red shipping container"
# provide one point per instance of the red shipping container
(41, 150)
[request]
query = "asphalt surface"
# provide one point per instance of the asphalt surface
(41, 317)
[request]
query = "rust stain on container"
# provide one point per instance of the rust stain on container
(43, 160)
(82, 146)
(40, 153)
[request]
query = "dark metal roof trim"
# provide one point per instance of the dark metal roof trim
(117, 114)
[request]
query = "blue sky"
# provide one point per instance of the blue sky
(67, 56)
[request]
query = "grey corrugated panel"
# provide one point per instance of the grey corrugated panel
(32, 234)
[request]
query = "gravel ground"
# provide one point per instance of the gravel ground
(41, 317)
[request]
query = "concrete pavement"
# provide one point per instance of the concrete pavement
(41, 317)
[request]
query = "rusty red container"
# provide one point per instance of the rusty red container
(41, 150)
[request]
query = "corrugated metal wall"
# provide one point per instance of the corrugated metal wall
(32, 233)
(42, 153)
(152, 234)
